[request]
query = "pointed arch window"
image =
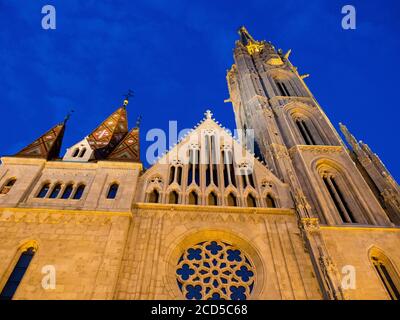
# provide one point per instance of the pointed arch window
(79, 192)
(244, 180)
(112, 191)
(211, 160)
(67, 191)
(247, 177)
(82, 153)
(56, 191)
(251, 201)
(282, 88)
(194, 170)
(387, 274)
(251, 179)
(193, 198)
(208, 160)
(154, 196)
(17, 274)
(43, 191)
(171, 174)
(338, 199)
(7, 187)
(270, 201)
(179, 175)
(75, 153)
(173, 197)
(305, 132)
(212, 199)
(214, 161)
(228, 168)
(232, 200)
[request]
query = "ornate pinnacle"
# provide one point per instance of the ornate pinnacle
(138, 121)
(68, 116)
(127, 96)
(208, 114)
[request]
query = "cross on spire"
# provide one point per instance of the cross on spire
(139, 119)
(127, 96)
(208, 114)
(68, 116)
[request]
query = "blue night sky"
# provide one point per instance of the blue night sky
(174, 55)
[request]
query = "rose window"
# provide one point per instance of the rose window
(215, 270)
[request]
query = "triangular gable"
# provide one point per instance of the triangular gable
(46, 146)
(128, 149)
(208, 125)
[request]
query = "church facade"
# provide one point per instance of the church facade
(295, 213)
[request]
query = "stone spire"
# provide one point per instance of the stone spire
(245, 36)
(377, 175)
(351, 140)
(248, 41)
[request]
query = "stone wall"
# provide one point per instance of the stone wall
(84, 247)
(351, 246)
(161, 233)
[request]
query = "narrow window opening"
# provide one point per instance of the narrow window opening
(303, 133)
(232, 201)
(193, 198)
(76, 152)
(55, 192)
(112, 192)
(344, 202)
(197, 167)
(308, 132)
(212, 199)
(335, 201)
(17, 274)
(82, 153)
(251, 201)
(282, 92)
(173, 197)
(154, 196)
(270, 201)
(43, 191)
(387, 275)
(171, 174)
(67, 192)
(179, 175)
(79, 192)
(251, 180)
(285, 89)
(7, 187)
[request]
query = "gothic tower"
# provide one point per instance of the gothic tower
(331, 185)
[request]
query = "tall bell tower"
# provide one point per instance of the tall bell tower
(300, 145)
(295, 137)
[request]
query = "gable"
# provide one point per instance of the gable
(208, 159)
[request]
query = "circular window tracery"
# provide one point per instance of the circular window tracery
(215, 270)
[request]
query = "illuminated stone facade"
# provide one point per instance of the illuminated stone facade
(308, 219)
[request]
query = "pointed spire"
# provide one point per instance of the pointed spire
(127, 96)
(68, 116)
(208, 114)
(128, 149)
(245, 36)
(138, 121)
(109, 133)
(351, 140)
(248, 41)
(374, 158)
(47, 146)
